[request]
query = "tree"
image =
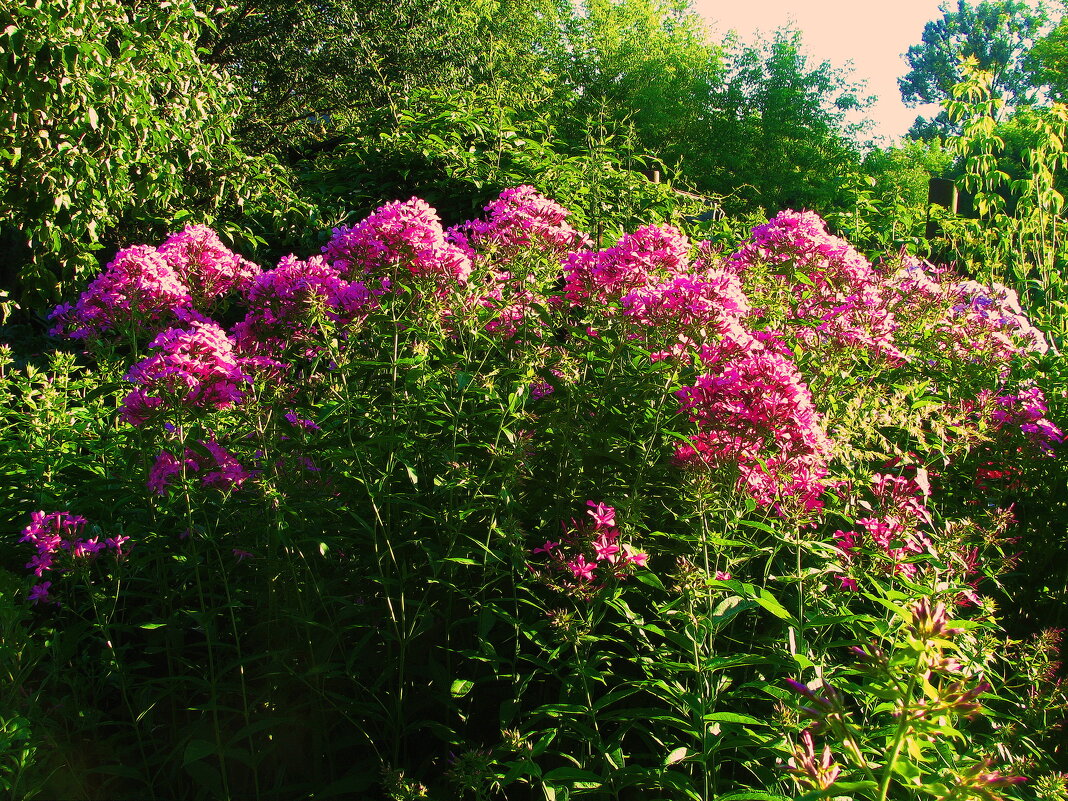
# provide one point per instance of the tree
(778, 133)
(112, 126)
(997, 33)
(1048, 61)
(307, 69)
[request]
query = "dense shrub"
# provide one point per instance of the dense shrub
(494, 511)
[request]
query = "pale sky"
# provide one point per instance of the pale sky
(873, 35)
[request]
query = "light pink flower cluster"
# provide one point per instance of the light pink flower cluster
(894, 527)
(205, 265)
(195, 368)
(398, 235)
(588, 556)
(755, 414)
(605, 276)
(138, 292)
(971, 322)
(287, 304)
(510, 298)
(521, 218)
(218, 468)
(59, 535)
(989, 320)
(834, 293)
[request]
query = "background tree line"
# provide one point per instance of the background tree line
(274, 121)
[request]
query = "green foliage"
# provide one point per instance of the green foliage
(459, 150)
(889, 209)
(777, 136)
(308, 69)
(113, 129)
(998, 35)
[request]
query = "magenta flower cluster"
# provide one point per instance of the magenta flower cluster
(145, 289)
(399, 235)
(588, 555)
(194, 369)
(605, 276)
(139, 292)
(210, 269)
(832, 291)
(755, 415)
(218, 468)
(521, 218)
(895, 527)
(58, 538)
(674, 317)
(288, 305)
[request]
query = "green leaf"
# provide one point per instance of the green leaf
(461, 687)
(677, 755)
(197, 750)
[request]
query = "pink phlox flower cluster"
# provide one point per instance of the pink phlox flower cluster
(287, 304)
(677, 315)
(795, 241)
(210, 269)
(841, 299)
(520, 218)
(756, 415)
(605, 276)
(217, 468)
(1026, 410)
(510, 301)
(399, 234)
(195, 367)
(588, 555)
(58, 533)
(138, 290)
(894, 526)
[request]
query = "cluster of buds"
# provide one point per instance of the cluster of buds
(939, 689)
(979, 780)
(931, 622)
(820, 772)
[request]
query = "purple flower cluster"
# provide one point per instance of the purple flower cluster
(194, 368)
(59, 536)
(588, 556)
(605, 276)
(205, 265)
(218, 468)
(521, 218)
(139, 292)
(399, 235)
(1025, 410)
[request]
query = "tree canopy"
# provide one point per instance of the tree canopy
(997, 33)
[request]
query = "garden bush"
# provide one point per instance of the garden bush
(495, 511)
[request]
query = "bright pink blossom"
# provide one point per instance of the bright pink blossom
(205, 265)
(195, 368)
(406, 236)
(138, 292)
